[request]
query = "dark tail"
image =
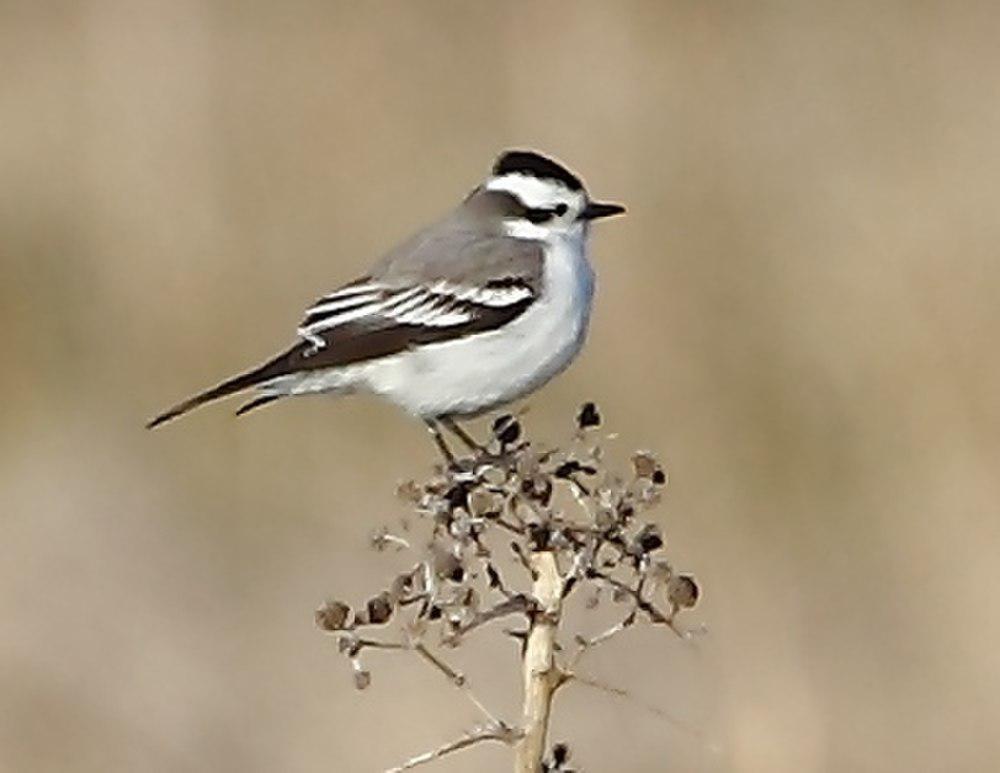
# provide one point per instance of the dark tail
(257, 402)
(266, 372)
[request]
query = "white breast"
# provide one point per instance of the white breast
(479, 372)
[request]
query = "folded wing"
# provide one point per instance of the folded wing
(376, 317)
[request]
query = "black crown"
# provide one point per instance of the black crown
(535, 164)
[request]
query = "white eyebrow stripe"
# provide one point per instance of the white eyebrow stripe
(534, 192)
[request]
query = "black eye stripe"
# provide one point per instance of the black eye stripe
(538, 215)
(544, 214)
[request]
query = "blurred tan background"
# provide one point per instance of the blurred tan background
(799, 313)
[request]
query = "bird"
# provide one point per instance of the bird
(474, 311)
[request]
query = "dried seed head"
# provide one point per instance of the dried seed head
(379, 609)
(348, 645)
(683, 591)
(645, 465)
(362, 678)
(333, 616)
(588, 416)
(540, 537)
(455, 496)
(570, 467)
(507, 429)
(648, 539)
(597, 529)
(538, 488)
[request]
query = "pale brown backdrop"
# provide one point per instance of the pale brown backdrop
(799, 313)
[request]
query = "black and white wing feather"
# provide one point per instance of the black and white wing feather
(427, 292)
(430, 290)
(453, 309)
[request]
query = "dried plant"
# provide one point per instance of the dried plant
(495, 539)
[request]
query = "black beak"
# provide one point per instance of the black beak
(596, 210)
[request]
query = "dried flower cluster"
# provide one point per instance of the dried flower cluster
(508, 534)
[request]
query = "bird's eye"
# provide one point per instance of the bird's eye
(560, 210)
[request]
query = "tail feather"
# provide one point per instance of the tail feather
(257, 402)
(236, 384)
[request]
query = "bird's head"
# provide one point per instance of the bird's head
(539, 198)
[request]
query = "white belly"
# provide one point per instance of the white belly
(478, 372)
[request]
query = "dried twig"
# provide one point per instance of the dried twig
(518, 604)
(541, 675)
(456, 679)
(655, 615)
(620, 692)
(585, 645)
(500, 733)
(496, 510)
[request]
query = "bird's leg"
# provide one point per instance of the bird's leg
(449, 457)
(461, 434)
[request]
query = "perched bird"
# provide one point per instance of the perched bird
(476, 310)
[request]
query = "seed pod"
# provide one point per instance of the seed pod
(683, 591)
(362, 678)
(506, 429)
(333, 616)
(588, 417)
(645, 465)
(379, 609)
(648, 538)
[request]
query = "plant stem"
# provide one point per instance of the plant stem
(541, 676)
